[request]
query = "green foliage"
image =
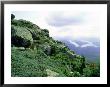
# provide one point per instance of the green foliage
(92, 70)
(27, 63)
(78, 64)
(87, 72)
(45, 32)
(24, 23)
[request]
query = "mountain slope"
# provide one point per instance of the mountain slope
(35, 54)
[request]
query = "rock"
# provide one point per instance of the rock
(21, 37)
(46, 49)
(51, 73)
(33, 28)
(71, 72)
(19, 48)
(35, 33)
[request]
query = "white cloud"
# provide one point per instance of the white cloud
(88, 44)
(60, 19)
(74, 43)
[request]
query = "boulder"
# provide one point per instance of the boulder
(19, 48)
(46, 48)
(51, 73)
(36, 33)
(21, 37)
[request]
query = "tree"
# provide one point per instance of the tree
(12, 16)
(83, 64)
(92, 70)
(87, 71)
(45, 32)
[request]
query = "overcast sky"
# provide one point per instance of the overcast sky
(66, 21)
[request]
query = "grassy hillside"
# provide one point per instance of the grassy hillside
(35, 54)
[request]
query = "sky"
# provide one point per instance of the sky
(75, 21)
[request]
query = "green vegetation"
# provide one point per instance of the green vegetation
(35, 54)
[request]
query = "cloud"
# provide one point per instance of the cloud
(74, 43)
(64, 19)
(88, 44)
(73, 24)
